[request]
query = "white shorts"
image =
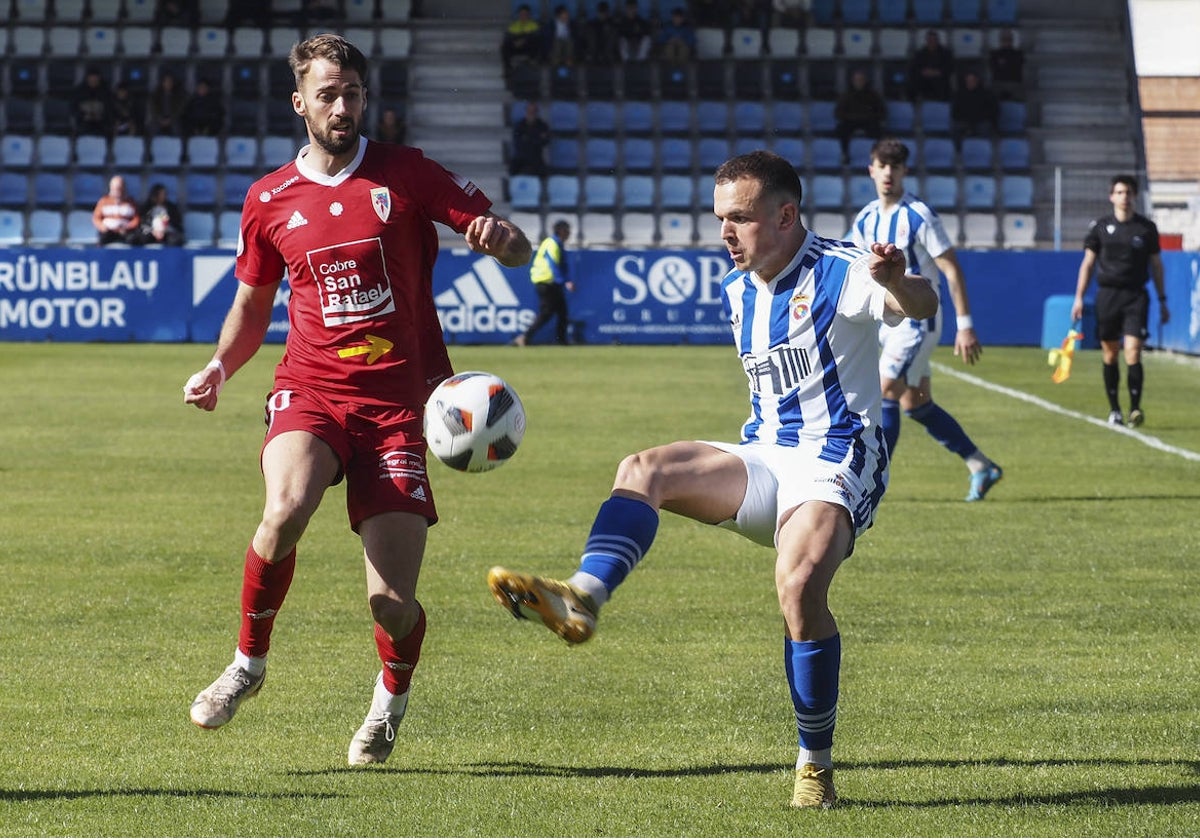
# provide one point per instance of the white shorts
(905, 350)
(780, 478)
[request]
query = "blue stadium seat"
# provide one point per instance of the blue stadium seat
(12, 228)
(128, 152)
(14, 189)
(600, 154)
(745, 145)
(937, 154)
(676, 230)
(927, 12)
(1016, 192)
(241, 152)
(676, 192)
(564, 117)
(562, 155)
(711, 152)
(1002, 12)
(637, 192)
(166, 151)
(826, 154)
(750, 118)
(87, 187)
(966, 12)
(203, 152)
(940, 191)
(862, 191)
(1012, 117)
(787, 118)
(676, 153)
(601, 117)
(200, 189)
(978, 154)
(823, 12)
(562, 192)
(712, 117)
(828, 192)
(893, 12)
(821, 118)
(278, 150)
(599, 192)
(229, 224)
(858, 12)
(637, 117)
(979, 192)
(80, 230)
(934, 116)
(199, 228)
(50, 189)
(860, 151)
(234, 188)
(785, 78)
(525, 192)
(45, 227)
(1014, 154)
(791, 149)
(17, 151)
(53, 150)
(900, 116)
(675, 117)
(91, 151)
(637, 154)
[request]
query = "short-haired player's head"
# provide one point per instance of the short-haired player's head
(889, 165)
(757, 198)
(774, 173)
(330, 92)
(1128, 180)
(891, 151)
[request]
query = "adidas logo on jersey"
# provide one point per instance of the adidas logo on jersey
(482, 301)
(296, 221)
(418, 494)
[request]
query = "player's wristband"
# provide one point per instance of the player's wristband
(965, 322)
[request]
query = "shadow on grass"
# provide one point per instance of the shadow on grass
(40, 795)
(1155, 794)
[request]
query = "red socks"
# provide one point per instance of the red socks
(399, 656)
(264, 586)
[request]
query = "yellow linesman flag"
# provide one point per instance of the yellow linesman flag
(1062, 357)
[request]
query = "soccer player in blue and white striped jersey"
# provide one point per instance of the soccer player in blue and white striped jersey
(811, 464)
(899, 217)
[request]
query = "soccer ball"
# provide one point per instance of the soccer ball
(474, 421)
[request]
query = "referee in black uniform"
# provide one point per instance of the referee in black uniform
(1123, 249)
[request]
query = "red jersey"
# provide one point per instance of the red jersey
(358, 248)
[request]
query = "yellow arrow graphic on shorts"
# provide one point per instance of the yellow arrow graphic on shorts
(373, 349)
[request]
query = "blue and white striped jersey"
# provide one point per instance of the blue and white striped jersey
(808, 341)
(911, 225)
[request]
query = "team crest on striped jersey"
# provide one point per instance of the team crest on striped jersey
(800, 305)
(381, 200)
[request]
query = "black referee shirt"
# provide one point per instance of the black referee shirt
(1123, 250)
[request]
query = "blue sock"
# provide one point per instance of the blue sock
(812, 672)
(621, 535)
(891, 424)
(944, 428)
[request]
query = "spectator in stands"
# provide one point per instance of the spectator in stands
(116, 216)
(600, 36)
(974, 111)
(391, 128)
(531, 136)
(128, 116)
(633, 34)
(564, 36)
(1007, 64)
(93, 105)
(255, 12)
(676, 38)
(162, 223)
(165, 106)
(177, 13)
(859, 110)
(792, 14)
(522, 40)
(203, 115)
(930, 69)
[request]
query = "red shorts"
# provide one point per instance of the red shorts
(381, 449)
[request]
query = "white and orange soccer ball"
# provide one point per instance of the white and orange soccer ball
(474, 421)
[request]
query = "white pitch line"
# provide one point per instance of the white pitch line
(1148, 440)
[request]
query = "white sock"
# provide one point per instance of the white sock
(821, 758)
(977, 461)
(254, 664)
(384, 702)
(590, 584)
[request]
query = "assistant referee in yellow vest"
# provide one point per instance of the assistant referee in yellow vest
(549, 274)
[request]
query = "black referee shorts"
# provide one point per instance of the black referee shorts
(1121, 312)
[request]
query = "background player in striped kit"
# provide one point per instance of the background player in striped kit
(811, 465)
(905, 374)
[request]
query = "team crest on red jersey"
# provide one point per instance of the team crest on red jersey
(381, 200)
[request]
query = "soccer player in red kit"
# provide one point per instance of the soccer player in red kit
(351, 223)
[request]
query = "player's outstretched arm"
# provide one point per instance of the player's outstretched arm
(242, 334)
(966, 341)
(909, 295)
(498, 237)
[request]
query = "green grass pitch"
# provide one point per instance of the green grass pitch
(1021, 667)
